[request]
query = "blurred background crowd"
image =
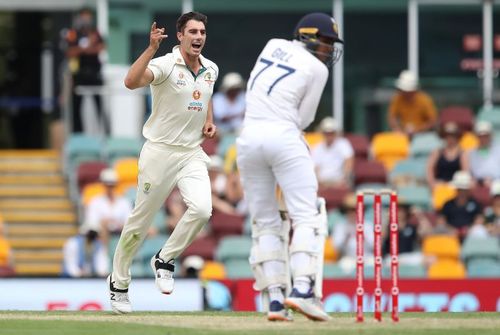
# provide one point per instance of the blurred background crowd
(70, 136)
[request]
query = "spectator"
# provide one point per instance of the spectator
(229, 103)
(411, 110)
(463, 212)
(444, 162)
(344, 235)
(108, 213)
(6, 261)
(484, 161)
(85, 255)
(82, 45)
(333, 157)
(492, 214)
(191, 266)
(227, 193)
(410, 234)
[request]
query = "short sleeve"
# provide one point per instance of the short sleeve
(161, 68)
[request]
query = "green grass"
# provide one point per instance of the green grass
(103, 323)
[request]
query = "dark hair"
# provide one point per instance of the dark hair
(184, 18)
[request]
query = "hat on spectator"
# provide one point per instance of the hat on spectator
(407, 81)
(232, 80)
(329, 125)
(495, 188)
(482, 127)
(193, 262)
(462, 180)
(108, 177)
(450, 128)
(216, 163)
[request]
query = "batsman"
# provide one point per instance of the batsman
(283, 94)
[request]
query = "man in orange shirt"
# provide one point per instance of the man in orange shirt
(411, 110)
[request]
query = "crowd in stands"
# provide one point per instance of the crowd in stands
(443, 164)
(444, 170)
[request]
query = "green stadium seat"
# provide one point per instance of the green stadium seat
(120, 147)
(238, 269)
(477, 248)
(233, 248)
(225, 143)
(409, 171)
(414, 195)
(406, 271)
(423, 144)
(334, 271)
(483, 268)
(334, 216)
(81, 148)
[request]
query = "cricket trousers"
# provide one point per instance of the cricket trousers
(161, 168)
(270, 155)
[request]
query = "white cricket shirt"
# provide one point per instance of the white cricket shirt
(285, 86)
(330, 159)
(180, 100)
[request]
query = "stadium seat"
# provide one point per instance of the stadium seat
(491, 114)
(224, 224)
(423, 144)
(127, 170)
(329, 253)
(203, 247)
(122, 147)
(225, 143)
(389, 148)
(81, 148)
(410, 171)
(366, 171)
(416, 195)
(483, 268)
(333, 217)
(447, 269)
(441, 193)
(209, 145)
(212, 271)
(333, 196)
(360, 145)
(482, 194)
(480, 248)
(461, 115)
(238, 269)
(441, 246)
(150, 247)
(406, 271)
(468, 141)
(313, 138)
(89, 172)
(335, 271)
(90, 191)
(233, 247)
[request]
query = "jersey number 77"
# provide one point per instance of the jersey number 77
(288, 71)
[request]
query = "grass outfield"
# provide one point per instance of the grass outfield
(103, 323)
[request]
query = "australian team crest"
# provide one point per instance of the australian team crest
(209, 79)
(147, 188)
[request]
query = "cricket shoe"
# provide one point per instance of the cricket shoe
(120, 304)
(307, 304)
(164, 273)
(278, 312)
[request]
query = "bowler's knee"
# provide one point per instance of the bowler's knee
(201, 212)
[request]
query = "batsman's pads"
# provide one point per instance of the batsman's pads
(314, 248)
(258, 257)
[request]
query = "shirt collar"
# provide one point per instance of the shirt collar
(180, 60)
